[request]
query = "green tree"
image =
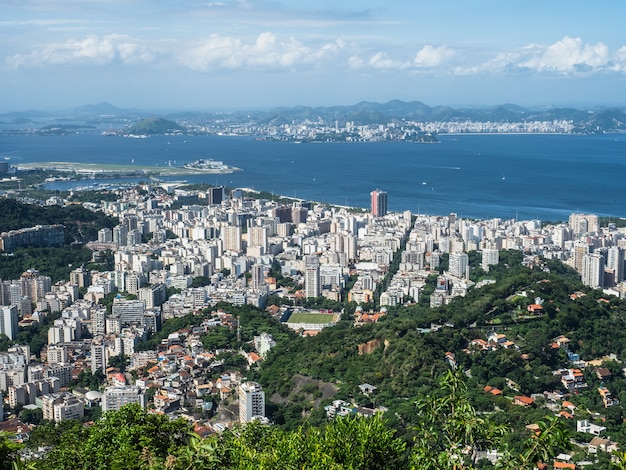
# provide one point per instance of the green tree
(120, 361)
(449, 425)
(9, 452)
(131, 438)
(34, 416)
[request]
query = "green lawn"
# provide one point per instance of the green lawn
(310, 318)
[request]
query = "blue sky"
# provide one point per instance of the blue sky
(188, 54)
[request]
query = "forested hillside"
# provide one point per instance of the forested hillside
(81, 224)
(406, 363)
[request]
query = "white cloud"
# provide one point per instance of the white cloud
(569, 55)
(267, 52)
(355, 62)
(381, 60)
(271, 52)
(90, 50)
(429, 56)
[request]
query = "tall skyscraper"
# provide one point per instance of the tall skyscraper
(231, 236)
(215, 195)
(258, 236)
(378, 203)
(120, 235)
(311, 276)
(8, 321)
(251, 402)
(593, 270)
(257, 276)
(615, 261)
(458, 264)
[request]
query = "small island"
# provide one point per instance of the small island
(208, 166)
(153, 126)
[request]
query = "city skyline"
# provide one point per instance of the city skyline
(242, 54)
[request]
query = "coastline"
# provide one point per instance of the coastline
(103, 169)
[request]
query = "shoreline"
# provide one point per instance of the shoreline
(103, 169)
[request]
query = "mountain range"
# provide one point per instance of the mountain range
(365, 112)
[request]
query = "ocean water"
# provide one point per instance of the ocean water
(543, 177)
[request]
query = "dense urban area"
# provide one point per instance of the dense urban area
(243, 316)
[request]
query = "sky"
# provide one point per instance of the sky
(223, 54)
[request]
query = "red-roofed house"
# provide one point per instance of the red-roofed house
(521, 400)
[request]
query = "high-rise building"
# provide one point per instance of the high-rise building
(580, 250)
(80, 277)
(153, 295)
(120, 235)
(251, 402)
(258, 277)
(231, 236)
(258, 236)
(57, 354)
(458, 264)
(583, 223)
(130, 311)
(331, 275)
(615, 261)
(8, 321)
(311, 276)
(593, 270)
(490, 257)
(105, 235)
(133, 237)
(34, 286)
(215, 195)
(299, 214)
(99, 357)
(379, 203)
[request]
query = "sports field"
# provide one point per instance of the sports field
(297, 317)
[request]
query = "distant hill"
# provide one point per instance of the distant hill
(153, 126)
(23, 116)
(598, 120)
(102, 108)
(366, 112)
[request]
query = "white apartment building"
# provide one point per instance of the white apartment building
(116, 397)
(459, 263)
(251, 402)
(62, 406)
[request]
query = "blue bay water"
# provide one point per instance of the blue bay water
(478, 176)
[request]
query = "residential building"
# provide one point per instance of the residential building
(251, 402)
(62, 406)
(116, 397)
(129, 311)
(593, 270)
(458, 264)
(8, 321)
(378, 203)
(312, 286)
